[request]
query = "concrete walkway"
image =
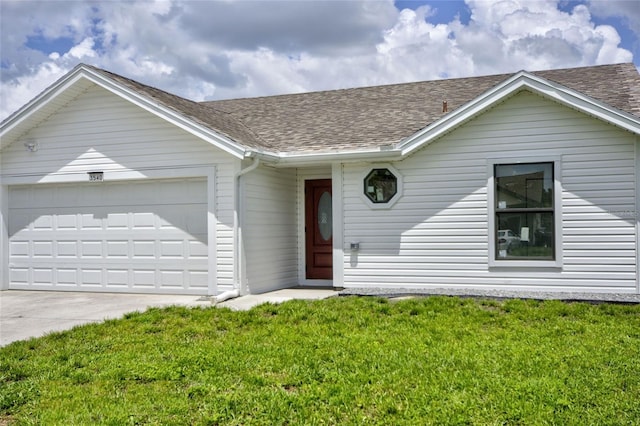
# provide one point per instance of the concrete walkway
(26, 314)
(278, 296)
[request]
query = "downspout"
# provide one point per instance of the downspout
(237, 234)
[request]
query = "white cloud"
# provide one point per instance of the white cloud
(206, 50)
(536, 35)
(20, 90)
(82, 50)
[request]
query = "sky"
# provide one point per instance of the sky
(207, 50)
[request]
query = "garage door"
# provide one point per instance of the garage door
(143, 237)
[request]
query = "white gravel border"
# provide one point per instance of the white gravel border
(629, 298)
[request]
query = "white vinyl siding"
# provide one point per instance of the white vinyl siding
(636, 213)
(437, 233)
(99, 131)
(269, 229)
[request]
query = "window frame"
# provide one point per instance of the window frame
(399, 186)
(492, 240)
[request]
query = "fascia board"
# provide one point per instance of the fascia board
(520, 81)
(577, 100)
(290, 160)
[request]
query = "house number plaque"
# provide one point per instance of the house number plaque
(96, 176)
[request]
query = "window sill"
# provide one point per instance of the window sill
(534, 264)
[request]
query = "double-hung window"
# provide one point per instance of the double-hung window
(524, 214)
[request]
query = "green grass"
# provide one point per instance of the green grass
(435, 360)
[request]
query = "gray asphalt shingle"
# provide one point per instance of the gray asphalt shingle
(372, 117)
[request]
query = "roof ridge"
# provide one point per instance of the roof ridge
(417, 82)
(358, 88)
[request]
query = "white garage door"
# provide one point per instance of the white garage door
(142, 237)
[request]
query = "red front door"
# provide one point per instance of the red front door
(319, 229)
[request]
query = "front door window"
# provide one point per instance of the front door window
(325, 225)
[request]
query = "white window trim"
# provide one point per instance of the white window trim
(557, 212)
(392, 200)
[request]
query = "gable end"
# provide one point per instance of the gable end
(522, 81)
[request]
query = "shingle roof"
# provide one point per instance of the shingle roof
(353, 119)
(616, 85)
(372, 117)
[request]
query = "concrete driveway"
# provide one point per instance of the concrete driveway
(26, 314)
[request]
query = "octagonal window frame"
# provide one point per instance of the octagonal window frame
(377, 205)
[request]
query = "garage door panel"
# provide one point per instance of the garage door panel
(169, 278)
(68, 277)
(90, 277)
(19, 249)
(144, 249)
(144, 278)
(197, 250)
(19, 276)
(156, 247)
(172, 249)
(43, 249)
(117, 277)
(198, 279)
(43, 223)
(91, 249)
(144, 221)
(91, 221)
(42, 275)
(66, 221)
(68, 249)
(117, 221)
(118, 249)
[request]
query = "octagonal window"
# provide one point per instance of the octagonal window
(380, 185)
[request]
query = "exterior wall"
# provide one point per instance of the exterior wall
(436, 235)
(637, 214)
(101, 131)
(4, 229)
(269, 229)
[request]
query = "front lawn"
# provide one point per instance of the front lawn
(348, 360)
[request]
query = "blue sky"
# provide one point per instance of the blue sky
(227, 49)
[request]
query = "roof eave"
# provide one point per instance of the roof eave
(309, 158)
(148, 104)
(520, 81)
